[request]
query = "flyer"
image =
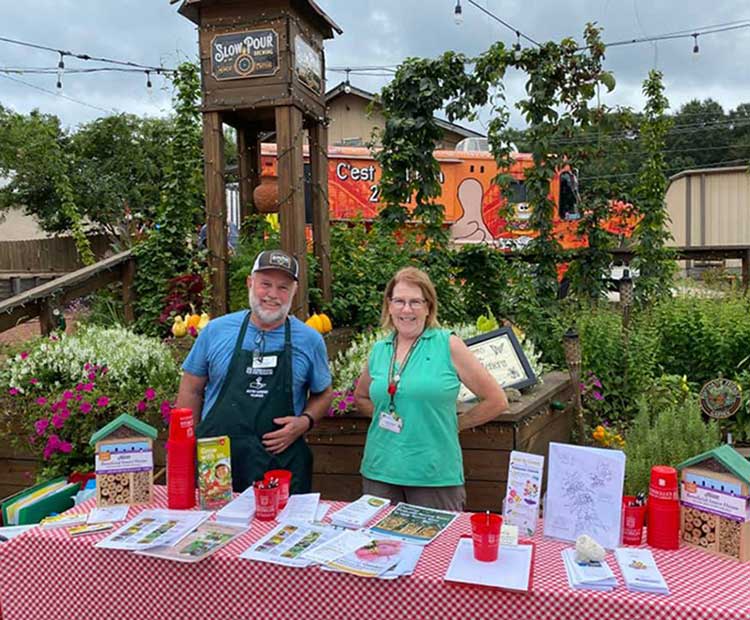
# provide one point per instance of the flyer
(286, 543)
(415, 524)
(206, 540)
(521, 504)
(155, 527)
(385, 558)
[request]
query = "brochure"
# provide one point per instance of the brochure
(511, 571)
(240, 511)
(383, 558)
(300, 508)
(360, 512)
(588, 575)
(286, 543)
(639, 570)
(415, 524)
(521, 504)
(109, 514)
(155, 527)
(338, 546)
(64, 520)
(214, 472)
(206, 540)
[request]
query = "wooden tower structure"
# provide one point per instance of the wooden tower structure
(263, 73)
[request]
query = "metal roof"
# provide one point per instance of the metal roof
(124, 420)
(691, 172)
(728, 457)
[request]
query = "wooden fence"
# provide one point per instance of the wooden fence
(46, 256)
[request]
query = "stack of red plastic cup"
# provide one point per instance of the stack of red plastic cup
(284, 479)
(663, 530)
(181, 460)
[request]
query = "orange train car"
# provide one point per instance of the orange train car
(471, 200)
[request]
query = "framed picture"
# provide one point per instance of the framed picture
(500, 352)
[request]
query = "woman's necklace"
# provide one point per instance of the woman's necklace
(395, 376)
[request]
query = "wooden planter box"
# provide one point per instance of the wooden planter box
(338, 444)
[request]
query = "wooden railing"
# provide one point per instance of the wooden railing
(41, 300)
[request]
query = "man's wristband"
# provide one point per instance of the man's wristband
(310, 419)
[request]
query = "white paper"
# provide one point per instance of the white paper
(152, 528)
(590, 576)
(286, 543)
(240, 511)
(108, 514)
(584, 493)
(508, 534)
(639, 571)
(523, 491)
(511, 570)
(336, 547)
(300, 508)
(359, 512)
(323, 509)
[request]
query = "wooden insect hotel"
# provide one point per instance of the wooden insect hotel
(714, 494)
(124, 462)
(263, 73)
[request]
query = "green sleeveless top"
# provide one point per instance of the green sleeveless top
(426, 452)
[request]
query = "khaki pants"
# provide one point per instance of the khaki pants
(443, 498)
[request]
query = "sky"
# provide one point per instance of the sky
(376, 33)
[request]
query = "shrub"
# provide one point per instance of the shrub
(60, 391)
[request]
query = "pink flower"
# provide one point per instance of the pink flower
(53, 338)
(597, 383)
(597, 395)
(192, 331)
(342, 405)
(41, 425)
(92, 376)
(141, 407)
(64, 414)
(150, 393)
(12, 391)
(104, 370)
(79, 387)
(65, 447)
(67, 395)
(102, 401)
(24, 355)
(33, 381)
(53, 444)
(85, 407)
(88, 387)
(350, 399)
(87, 366)
(41, 401)
(58, 421)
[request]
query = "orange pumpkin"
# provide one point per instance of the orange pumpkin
(193, 320)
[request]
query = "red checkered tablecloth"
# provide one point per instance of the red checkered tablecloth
(47, 575)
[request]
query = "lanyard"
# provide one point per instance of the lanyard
(395, 377)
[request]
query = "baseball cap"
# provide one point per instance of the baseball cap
(276, 259)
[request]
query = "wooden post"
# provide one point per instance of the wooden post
(46, 318)
(216, 211)
(289, 139)
(321, 226)
(745, 270)
(128, 295)
(248, 152)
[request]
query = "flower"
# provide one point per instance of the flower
(65, 447)
(24, 355)
(58, 421)
(67, 395)
(88, 387)
(150, 393)
(102, 401)
(85, 407)
(34, 381)
(12, 391)
(41, 426)
(141, 406)
(92, 376)
(41, 401)
(597, 395)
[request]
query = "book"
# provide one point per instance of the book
(359, 512)
(639, 571)
(33, 504)
(512, 570)
(204, 541)
(415, 524)
(214, 472)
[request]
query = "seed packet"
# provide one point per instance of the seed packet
(214, 472)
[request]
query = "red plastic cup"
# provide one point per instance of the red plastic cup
(181, 424)
(181, 473)
(663, 530)
(633, 518)
(284, 478)
(663, 486)
(485, 533)
(266, 502)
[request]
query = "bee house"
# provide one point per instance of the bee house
(124, 462)
(714, 493)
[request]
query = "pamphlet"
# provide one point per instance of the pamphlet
(109, 514)
(360, 512)
(300, 508)
(322, 511)
(64, 520)
(89, 528)
(240, 511)
(286, 543)
(206, 540)
(155, 527)
(521, 504)
(584, 493)
(511, 570)
(384, 558)
(639, 570)
(214, 472)
(346, 542)
(415, 524)
(588, 575)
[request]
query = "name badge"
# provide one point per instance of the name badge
(267, 361)
(391, 421)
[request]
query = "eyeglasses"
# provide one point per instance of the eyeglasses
(414, 304)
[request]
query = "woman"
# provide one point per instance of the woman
(409, 388)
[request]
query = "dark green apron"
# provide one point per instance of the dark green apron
(253, 393)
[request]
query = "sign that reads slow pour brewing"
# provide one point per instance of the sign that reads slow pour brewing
(238, 55)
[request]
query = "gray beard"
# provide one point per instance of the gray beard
(265, 316)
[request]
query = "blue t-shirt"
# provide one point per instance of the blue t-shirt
(212, 353)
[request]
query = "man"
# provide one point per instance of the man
(260, 377)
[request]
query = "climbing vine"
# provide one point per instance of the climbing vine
(654, 262)
(165, 252)
(561, 80)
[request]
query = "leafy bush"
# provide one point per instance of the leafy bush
(60, 391)
(668, 429)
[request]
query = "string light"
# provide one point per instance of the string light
(696, 49)
(517, 46)
(60, 69)
(148, 79)
(458, 14)
(347, 85)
